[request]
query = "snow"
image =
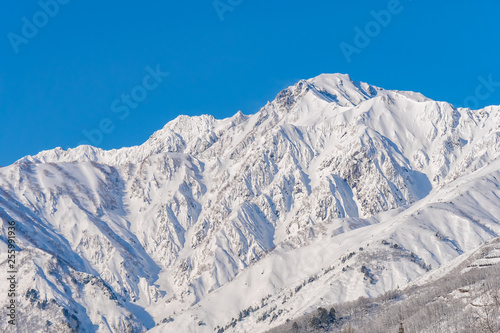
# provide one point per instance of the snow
(210, 217)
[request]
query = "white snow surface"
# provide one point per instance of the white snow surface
(262, 217)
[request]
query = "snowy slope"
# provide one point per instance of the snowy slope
(460, 296)
(209, 217)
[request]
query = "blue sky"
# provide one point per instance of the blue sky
(67, 67)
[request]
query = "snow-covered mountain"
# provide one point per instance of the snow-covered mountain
(336, 189)
(461, 296)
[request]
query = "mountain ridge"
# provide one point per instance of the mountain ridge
(205, 206)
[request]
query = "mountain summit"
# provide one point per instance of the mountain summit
(242, 223)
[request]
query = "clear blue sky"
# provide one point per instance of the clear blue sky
(66, 76)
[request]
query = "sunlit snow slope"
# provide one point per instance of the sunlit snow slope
(238, 224)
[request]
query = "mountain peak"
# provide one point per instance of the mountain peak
(347, 91)
(335, 183)
(300, 102)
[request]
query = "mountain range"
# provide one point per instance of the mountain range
(335, 190)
